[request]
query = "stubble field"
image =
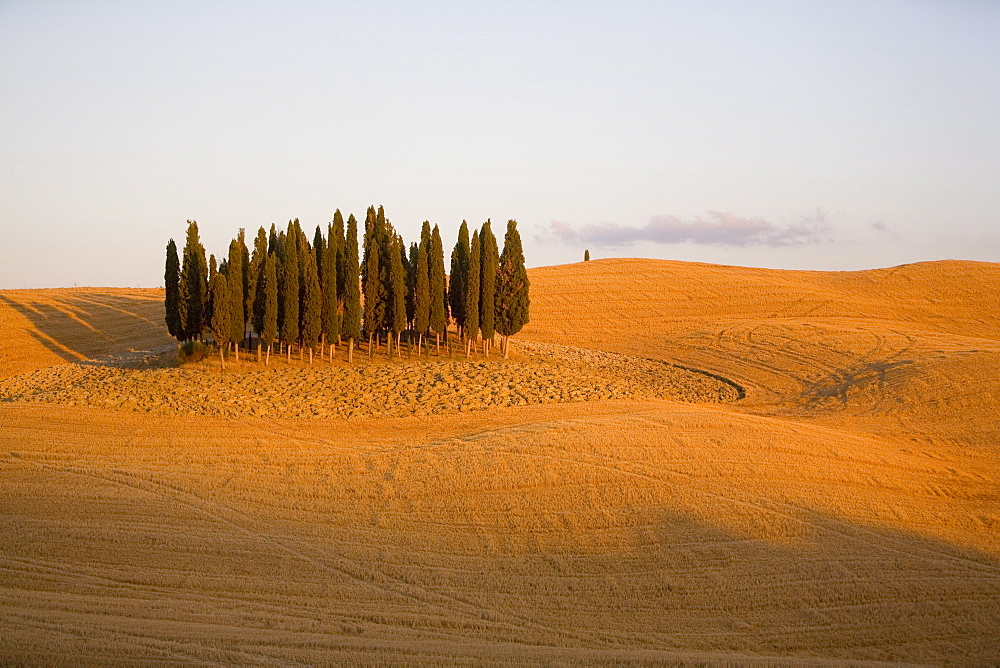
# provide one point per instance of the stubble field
(595, 499)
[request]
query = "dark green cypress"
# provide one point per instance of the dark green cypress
(411, 282)
(247, 304)
(328, 277)
(290, 289)
(351, 326)
(459, 276)
(279, 267)
(374, 289)
(221, 324)
(439, 308)
(172, 289)
(193, 285)
(422, 293)
(235, 292)
(269, 305)
(488, 260)
(471, 329)
(312, 304)
(257, 278)
(397, 291)
(337, 239)
(272, 241)
(512, 300)
(586, 256)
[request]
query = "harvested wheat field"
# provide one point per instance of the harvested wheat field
(680, 463)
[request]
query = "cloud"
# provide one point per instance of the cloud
(880, 226)
(715, 229)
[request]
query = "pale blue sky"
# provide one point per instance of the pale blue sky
(796, 135)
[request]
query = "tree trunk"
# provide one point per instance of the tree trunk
(437, 343)
(288, 348)
(267, 360)
(222, 359)
(350, 350)
(300, 352)
(258, 351)
(236, 345)
(506, 347)
(370, 345)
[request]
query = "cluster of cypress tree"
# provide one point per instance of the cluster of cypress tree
(294, 292)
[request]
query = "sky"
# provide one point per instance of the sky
(798, 135)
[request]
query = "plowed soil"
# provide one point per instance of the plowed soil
(680, 463)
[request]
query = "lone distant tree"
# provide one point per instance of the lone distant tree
(312, 305)
(221, 314)
(193, 285)
(489, 258)
(439, 303)
(459, 277)
(351, 327)
(172, 290)
(290, 291)
(422, 293)
(512, 301)
(471, 330)
(269, 305)
(586, 256)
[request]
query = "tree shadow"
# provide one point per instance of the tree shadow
(86, 327)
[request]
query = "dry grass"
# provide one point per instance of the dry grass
(848, 508)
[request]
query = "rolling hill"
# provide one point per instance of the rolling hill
(847, 508)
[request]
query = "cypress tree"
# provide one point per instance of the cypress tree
(459, 276)
(439, 309)
(488, 260)
(328, 277)
(272, 241)
(247, 304)
(411, 281)
(279, 267)
(586, 256)
(269, 304)
(290, 290)
(235, 292)
(338, 240)
(351, 327)
(312, 304)
(375, 290)
(396, 317)
(512, 300)
(319, 247)
(172, 289)
(221, 323)
(193, 285)
(471, 329)
(255, 297)
(422, 293)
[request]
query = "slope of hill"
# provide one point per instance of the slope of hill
(848, 508)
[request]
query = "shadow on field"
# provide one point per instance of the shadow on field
(80, 326)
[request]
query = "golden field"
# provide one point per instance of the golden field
(847, 509)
